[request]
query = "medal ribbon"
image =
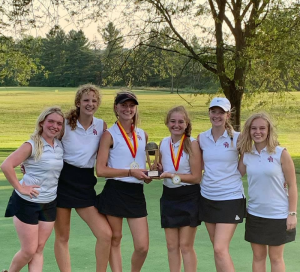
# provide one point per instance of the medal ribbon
(176, 159)
(133, 148)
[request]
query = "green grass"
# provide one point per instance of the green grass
(18, 112)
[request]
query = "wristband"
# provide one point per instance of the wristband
(293, 213)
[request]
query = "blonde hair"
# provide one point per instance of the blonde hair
(187, 142)
(36, 136)
(245, 143)
(73, 114)
(135, 118)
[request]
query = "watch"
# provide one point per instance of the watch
(293, 213)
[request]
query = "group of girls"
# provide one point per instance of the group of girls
(59, 176)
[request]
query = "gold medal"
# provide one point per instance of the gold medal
(176, 179)
(134, 165)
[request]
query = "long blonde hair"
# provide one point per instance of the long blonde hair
(187, 142)
(36, 136)
(135, 118)
(245, 143)
(73, 114)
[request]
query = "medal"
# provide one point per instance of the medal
(133, 148)
(134, 165)
(176, 179)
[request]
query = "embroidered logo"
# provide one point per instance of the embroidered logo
(139, 137)
(226, 145)
(237, 217)
(95, 132)
(270, 159)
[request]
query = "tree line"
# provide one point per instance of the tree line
(70, 59)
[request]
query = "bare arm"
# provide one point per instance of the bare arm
(12, 161)
(103, 170)
(202, 161)
(242, 166)
(288, 169)
(195, 164)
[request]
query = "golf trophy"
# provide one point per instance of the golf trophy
(152, 150)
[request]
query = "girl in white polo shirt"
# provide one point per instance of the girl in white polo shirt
(271, 220)
(222, 194)
(77, 180)
(180, 158)
(121, 160)
(33, 202)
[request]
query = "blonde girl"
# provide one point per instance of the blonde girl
(180, 158)
(33, 201)
(272, 213)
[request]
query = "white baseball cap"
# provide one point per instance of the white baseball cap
(221, 102)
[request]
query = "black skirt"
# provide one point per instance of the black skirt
(179, 207)
(122, 199)
(76, 187)
(267, 231)
(225, 211)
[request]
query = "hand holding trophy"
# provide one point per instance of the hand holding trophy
(152, 150)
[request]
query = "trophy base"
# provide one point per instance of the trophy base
(153, 173)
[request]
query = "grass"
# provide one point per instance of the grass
(18, 112)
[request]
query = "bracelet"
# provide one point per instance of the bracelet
(129, 172)
(293, 213)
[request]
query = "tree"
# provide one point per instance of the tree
(235, 24)
(16, 67)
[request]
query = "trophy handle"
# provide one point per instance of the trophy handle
(156, 156)
(148, 159)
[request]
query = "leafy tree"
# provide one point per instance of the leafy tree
(16, 67)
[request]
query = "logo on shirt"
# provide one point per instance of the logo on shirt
(270, 159)
(95, 132)
(139, 137)
(226, 145)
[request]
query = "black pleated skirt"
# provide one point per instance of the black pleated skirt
(267, 231)
(179, 207)
(122, 199)
(225, 211)
(76, 187)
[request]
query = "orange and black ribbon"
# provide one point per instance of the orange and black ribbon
(133, 148)
(176, 159)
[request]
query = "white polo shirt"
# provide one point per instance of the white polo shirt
(166, 160)
(267, 196)
(221, 179)
(120, 156)
(80, 145)
(44, 172)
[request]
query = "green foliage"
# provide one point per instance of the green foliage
(16, 67)
(274, 53)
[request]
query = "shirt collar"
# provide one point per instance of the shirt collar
(91, 126)
(175, 144)
(209, 134)
(254, 151)
(47, 144)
